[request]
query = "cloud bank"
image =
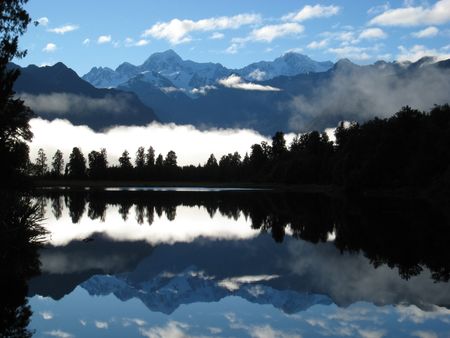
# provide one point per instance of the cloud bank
(236, 82)
(178, 31)
(64, 103)
(192, 145)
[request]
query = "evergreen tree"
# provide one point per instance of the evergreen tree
(171, 159)
(150, 157)
(125, 160)
(41, 163)
(98, 163)
(76, 167)
(14, 115)
(140, 158)
(159, 161)
(57, 163)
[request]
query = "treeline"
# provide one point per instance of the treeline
(409, 149)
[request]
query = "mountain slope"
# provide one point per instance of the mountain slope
(58, 92)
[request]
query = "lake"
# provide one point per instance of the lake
(239, 263)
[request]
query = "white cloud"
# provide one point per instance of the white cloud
(59, 334)
(428, 32)
(437, 14)
(379, 9)
(372, 34)
(217, 36)
(177, 31)
(203, 90)
(236, 82)
(318, 44)
(50, 48)
(86, 41)
(43, 21)
(196, 147)
(311, 12)
(271, 32)
(101, 325)
(257, 75)
(64, 29)
(137, 321)
(102, 39)
(419, 51)
(233, 48)
(351, 52)
(129, 42)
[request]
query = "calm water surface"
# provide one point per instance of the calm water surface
(239, 264)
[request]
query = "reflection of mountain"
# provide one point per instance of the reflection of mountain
(166, 292)
(64, 268)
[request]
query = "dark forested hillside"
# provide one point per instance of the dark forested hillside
(58, 92)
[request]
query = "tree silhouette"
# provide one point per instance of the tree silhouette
(41, 163)
(98, 163)
(171, 159)
(140, 158)
(57, 163)
(77, 164)
(150, 157)
(125, 161)
(14, 115)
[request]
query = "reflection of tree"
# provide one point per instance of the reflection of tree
(400, 233)
(150, 214)
(124, 209)
(97, 209)
(20, 238)
(171, 212)
(140, 210)
(76, 203)
(57, 206)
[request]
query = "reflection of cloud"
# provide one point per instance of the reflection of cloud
(46, 315)
(372, 333)
(101, 325)
(136, 321)
(424, 334)
(348, 278)
(190, 224)
(59, 334)
(192, 146)
(172, 329)
(413, 314)
(235, 283)
(266, 331)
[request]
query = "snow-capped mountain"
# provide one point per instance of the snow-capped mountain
(165, 293)
(189, 76)
(290, 64)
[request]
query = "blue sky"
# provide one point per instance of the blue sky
(83, 33)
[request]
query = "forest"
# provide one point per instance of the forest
(409, 149)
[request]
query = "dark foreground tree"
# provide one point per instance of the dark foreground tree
(14, 115)
(76, 167)
(57, 163)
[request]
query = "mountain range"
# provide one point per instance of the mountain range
(292, 93)
(169, 72)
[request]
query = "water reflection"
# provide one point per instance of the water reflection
(20, 238)
(230, 263)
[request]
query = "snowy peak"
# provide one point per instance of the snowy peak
(290, 64)
(189, 76)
